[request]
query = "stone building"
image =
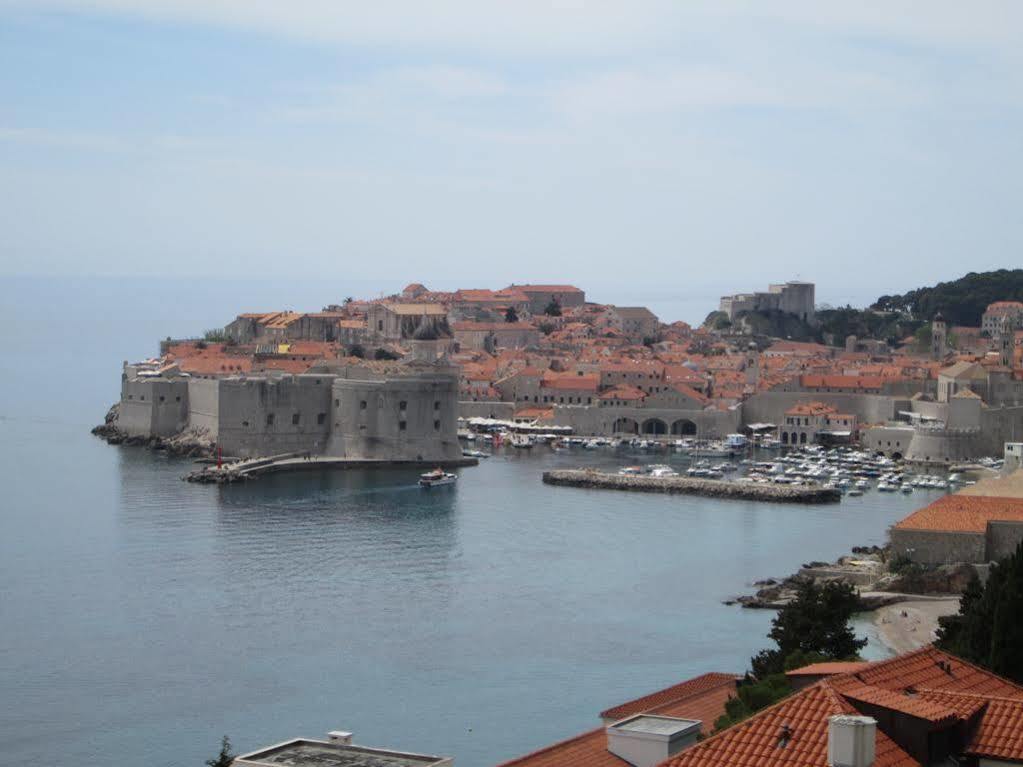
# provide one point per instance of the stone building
(812, 422)
(637, 323)
(960, 528)
(791, 297)
(395, 322)
(1008, 312)
(489, 336)
(540, 296)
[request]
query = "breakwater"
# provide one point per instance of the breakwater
(745, 491)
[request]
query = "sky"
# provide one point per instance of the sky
(693, 147)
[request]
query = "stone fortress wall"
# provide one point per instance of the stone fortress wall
(409, 415)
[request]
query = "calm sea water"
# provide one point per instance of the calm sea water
(142, 617)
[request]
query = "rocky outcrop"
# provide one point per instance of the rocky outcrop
(747, 491)
(867, 570)
(190, 443)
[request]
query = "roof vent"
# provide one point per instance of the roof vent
(851, 741)
(645, 740)
(340, 737)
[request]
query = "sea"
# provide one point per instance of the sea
(142, 617)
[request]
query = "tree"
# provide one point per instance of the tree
(511, 315)
(553, 309)
(383, 354)
(357, 351)
(225, 758)
(987, 630)
(812, 628)
(816, 621)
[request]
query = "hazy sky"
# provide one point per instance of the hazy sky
(689, 146)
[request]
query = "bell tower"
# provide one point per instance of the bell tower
(939, 337)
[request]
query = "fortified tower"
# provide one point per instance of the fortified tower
(939, 338)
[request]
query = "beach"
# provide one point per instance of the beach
(907, 626)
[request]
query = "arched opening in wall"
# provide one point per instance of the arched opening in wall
(626, 426)
(655, 426)
(897, 456)
(683, 426)
(802, 438)
(785, 438)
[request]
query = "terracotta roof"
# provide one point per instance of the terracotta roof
(827, 669)
(623, 393)
(921, 708)
(963, 514)
(999, 734)
(687, 689)
(920, 669)
(757, 741)
(702, 698)
(928, 684)
(811, 408)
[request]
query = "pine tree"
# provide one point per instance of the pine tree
(511, 314)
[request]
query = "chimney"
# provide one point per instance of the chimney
(645, 740)
(340, 737)
(851, 741)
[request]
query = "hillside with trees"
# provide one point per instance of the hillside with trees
(961, 301)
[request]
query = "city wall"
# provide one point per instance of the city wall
(770, 407)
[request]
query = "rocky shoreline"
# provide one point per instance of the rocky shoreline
(870, 570)
(191, 443)
(747, 491)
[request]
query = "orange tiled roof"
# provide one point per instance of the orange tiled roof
(703, 698)
(928, 684)
(827, 669)
(756, 742)
(810, 408)
(687, 689)
(963, 514)
(623, 393)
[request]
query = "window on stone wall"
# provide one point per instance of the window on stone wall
(362, 405)
(295, 418)
(402, 425)
(321, 418)
(269, 419)
(436, 403)
(142, 397)
(245, 423)
(403, 405)
(436, 425)
(162, 398)
(337, 403)
(177, 399)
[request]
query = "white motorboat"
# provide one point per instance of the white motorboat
(436, 478)
(520, 441)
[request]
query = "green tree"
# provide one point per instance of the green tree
(553, 309)
(225, 758)
(816, 621)
(511, 314)
(987, 630)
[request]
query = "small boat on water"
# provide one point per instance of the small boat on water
(475, 454)
(520, 441)
(436, 478)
